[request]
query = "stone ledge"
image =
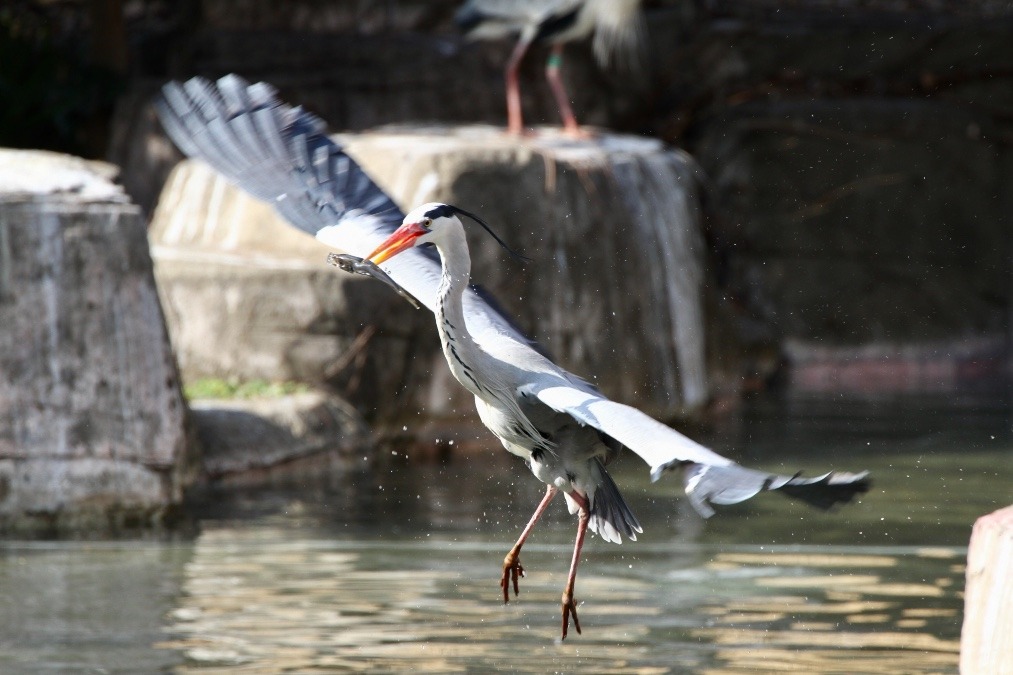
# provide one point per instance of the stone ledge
(28, 175)
(251, 441)
(57, 496)
(93, 425)
(612, 225)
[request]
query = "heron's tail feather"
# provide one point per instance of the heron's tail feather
(611, 516)
(731, 484)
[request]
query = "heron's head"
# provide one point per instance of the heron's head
(422, 225)
(427, 224)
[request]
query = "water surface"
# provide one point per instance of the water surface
(397, 568)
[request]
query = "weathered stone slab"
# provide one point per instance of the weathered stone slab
(249, 440)
(612, 225)
(986, 640)
(92, 421)
(614, 289)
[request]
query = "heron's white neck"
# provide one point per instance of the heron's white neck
(463, 355)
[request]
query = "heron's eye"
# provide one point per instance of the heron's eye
(427, 223)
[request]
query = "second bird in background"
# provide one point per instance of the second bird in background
(617, 26)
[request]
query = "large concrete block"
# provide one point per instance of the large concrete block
(92, 421)
(612, 226)
(614, 289)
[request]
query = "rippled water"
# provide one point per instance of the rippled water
(397, 568)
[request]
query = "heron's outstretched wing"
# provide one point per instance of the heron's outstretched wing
(275, 152)
(282, 155)
(709, 477)
(657, 444)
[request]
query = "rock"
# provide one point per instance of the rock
(248, 297)
(92, 420)
(244, 441)
(986, 639)
(614, 288)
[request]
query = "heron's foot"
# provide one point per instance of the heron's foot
(512, 571)
(569, 611)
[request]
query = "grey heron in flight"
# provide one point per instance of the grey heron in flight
(617, 26)
(563, 427)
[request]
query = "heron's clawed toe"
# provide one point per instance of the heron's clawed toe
(570, 612)
(512, 571)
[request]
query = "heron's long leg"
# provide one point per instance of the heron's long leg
(515, 123)
(569, 606)
(570, 125)
(512, 562)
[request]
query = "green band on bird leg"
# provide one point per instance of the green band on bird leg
(555, 60)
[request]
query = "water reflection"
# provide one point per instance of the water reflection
(847, 612)
(396, 567)
(259, 600)
(87, 606)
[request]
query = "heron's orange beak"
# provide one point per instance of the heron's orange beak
(402, 238)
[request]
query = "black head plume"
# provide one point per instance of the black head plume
(445, 208)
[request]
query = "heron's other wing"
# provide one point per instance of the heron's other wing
(709, 477)
(733, 484)
(657, 444)
(282, 155)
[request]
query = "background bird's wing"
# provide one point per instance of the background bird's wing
(619, 36)
(518, 12)
(282, 155)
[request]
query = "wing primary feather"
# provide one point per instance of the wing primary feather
(276, 152)
(732, 484)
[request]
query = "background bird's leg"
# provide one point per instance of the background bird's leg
(552, 67)
(512, 562)
(515, 123)
(569, 606)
